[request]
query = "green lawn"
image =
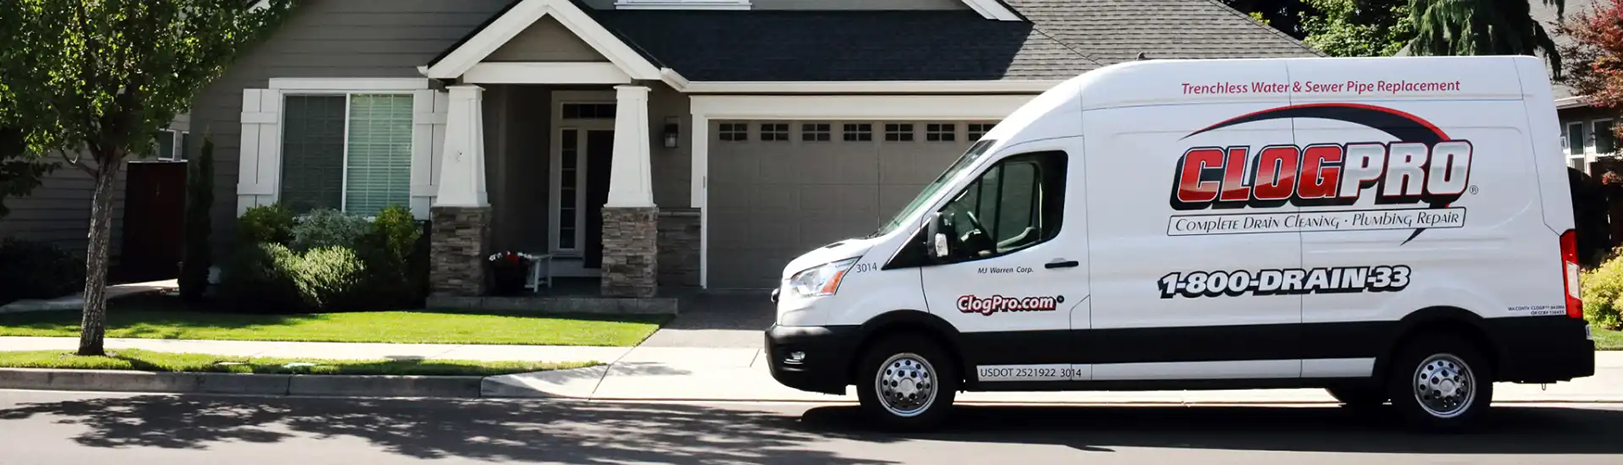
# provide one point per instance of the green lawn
(141, 360)
(1607, 340)
(154, 318)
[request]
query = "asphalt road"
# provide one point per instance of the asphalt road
(75, 428)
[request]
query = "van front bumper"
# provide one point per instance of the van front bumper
(824, 356)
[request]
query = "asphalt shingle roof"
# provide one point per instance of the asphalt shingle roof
(1063, 38)
(1114, 31)
(844, 45)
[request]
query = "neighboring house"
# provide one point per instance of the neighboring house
(669, 142)
(58, 211)
(1586, 130)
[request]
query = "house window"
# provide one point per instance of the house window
(858, 132)
(775, 132)
(898, 132)
(169, 144)
(815, 132)
(979, 130)
(349, 152)
(1605, 140)
(1575, 138)
(734, 132)
(589, 110)
(941, 132)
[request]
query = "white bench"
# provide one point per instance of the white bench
(542, 265)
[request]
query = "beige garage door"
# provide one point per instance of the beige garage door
(781, 188)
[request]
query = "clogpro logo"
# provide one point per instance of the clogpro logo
(1423, 166)
(998, 304)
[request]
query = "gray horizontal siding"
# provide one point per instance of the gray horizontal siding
(326, 38)
(58, 212)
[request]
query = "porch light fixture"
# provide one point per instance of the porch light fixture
(672, 130)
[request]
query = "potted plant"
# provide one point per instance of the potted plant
(509, 270)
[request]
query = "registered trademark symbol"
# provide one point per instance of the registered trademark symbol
(1474, 190)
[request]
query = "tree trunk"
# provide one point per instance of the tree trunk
(93, 328)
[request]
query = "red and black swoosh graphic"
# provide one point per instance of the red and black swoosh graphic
(1401, 125)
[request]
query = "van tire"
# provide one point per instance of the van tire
(1359, 397)
(904, 360)
(1442, 355)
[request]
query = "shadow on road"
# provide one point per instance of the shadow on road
(1510, 430)
(567, 432)
(576, 432)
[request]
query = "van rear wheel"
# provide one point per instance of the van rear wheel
(1441, 383)
(906, 382)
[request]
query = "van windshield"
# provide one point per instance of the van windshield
(968, 159)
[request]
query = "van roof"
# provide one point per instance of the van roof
(1297, 80)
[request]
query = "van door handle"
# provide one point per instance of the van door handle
(1063, 264)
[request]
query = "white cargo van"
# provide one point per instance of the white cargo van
(1390, 229)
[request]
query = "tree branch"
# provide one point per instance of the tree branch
(77, 162)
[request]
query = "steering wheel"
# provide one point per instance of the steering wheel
(976, 222)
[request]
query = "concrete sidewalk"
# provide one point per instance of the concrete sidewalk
(648, 373)
(76, 301)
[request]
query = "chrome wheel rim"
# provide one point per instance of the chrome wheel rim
(1444, 386)
(906, 384)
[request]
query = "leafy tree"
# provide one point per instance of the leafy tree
(1481, 27)
(1358, 28)
(1284, 15)
(91, 80)
(1595, 57)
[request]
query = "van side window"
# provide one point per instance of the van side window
(1015, 204)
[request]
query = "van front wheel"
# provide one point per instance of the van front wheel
(1440, 382)
(906, 382)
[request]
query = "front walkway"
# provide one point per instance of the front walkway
(740, 374)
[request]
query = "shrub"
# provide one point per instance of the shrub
(265, 224)
(38, 270)
(257, 281)
(388, 248)
(327, 278)
(1603, 294)
(271, 278)
(327, 228)
(197, 257)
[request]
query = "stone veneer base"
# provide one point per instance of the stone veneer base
(458, 245)
(630, 251)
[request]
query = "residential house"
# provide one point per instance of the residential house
(58, 211)
(1586, 130)
(693, 143)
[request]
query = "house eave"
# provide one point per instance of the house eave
(869, 87)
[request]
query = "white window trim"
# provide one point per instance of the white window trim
(805, 108)
(260, 167)
(682, 4)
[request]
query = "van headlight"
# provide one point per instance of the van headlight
(822, 279)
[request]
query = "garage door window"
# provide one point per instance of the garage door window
(898, 132)
(1015, 204)
(979, 130)
(858, 132)
(941, 132)
(815, 132)
(775, 132)
(734, 132)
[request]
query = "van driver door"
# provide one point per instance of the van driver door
(1010, 266)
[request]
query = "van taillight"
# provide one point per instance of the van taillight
(1569, 265)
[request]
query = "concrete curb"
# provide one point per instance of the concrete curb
(230, 383)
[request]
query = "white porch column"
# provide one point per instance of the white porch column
(462, 166)
(460, 235)
(630, 219)
(630, 182)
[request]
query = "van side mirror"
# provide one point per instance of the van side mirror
(935, 241)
